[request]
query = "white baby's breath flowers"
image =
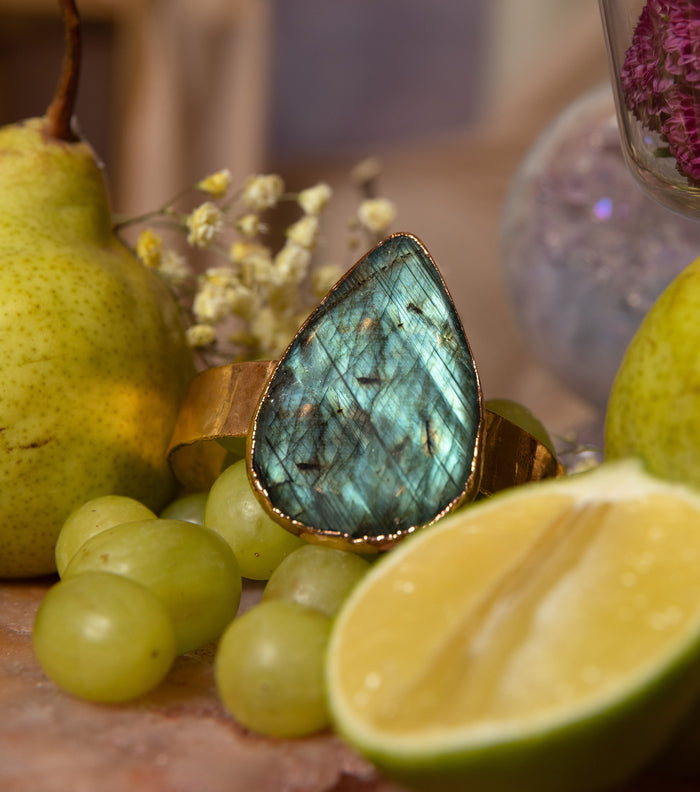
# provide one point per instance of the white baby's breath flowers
(263, 327)
(253, 304)
(213, 302)
(240, 251)
(254, 264)
(376, 214)
(313, 200)
(292, 262)
(220, 277)
(168, 262)
(262, 191)
(304, 232)
(323, 278)
(204, 225)
(259, 272)
(273, 331)
(249, 225)
(216, 184)
(245, 302)
(200, 335)
(221, 294)
(149, 248)
(283, 298)
(174, 268)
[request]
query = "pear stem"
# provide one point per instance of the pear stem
(60, 112)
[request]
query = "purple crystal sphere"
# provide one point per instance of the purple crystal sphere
(584, 250)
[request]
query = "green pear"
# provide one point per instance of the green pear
(93, 358)
(654, 407)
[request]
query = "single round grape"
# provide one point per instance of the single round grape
(235, 446)
(103, 637)
(189, 508)
(269, 669)
(93, 517)
(520, 415)
(233, 511)
(318, 577)
(190, 568)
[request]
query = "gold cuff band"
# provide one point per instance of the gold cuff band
(221, 402)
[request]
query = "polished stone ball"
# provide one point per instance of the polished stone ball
(585, 251)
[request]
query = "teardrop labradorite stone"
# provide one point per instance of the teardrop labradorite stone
(368, 427)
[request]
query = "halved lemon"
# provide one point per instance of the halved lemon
(547, 638)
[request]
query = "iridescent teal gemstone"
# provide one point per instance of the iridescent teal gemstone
(368, 427)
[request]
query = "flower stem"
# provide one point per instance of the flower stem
(165, 209)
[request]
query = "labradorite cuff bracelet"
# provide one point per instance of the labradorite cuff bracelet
(372, 423)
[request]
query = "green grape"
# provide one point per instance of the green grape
(234, 512)
(92, 518)
(103, 637)
(235, 447)
(269, 669)
(190, 568)
(522, 417)
(318, 577)
(188, 507)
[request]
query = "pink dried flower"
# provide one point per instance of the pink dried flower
(644, 79)
(660, 78)
(682, 130)
(683, 42)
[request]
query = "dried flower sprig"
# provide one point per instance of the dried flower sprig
(660, 78)
(251, 302)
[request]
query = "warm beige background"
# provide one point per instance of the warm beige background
(187, 86)
(450, 191)
(190, 86)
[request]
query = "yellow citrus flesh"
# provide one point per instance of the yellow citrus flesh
(556, 614)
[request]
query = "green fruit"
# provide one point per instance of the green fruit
(94, 360)
(316, 577)
(544, 639)
(522, 417)
(93, 517)
(103, 637)
(269, 669)
(233, 511)
(654, 406)
(187, 507)
(189, 568)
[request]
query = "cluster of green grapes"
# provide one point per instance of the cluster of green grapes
(137, 589)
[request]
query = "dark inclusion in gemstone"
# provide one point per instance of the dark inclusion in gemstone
(369, 424)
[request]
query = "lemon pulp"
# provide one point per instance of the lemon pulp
(519, 616)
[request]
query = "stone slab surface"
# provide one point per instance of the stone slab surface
(179, 739)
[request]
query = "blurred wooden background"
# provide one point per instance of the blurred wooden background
(450, 95)
(171, 88)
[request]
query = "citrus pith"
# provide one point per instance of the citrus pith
(547, 638)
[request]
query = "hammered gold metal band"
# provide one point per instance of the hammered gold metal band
(221, 402)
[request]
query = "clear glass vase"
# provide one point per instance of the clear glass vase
(654, 55)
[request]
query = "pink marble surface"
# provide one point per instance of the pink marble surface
(177, 739)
